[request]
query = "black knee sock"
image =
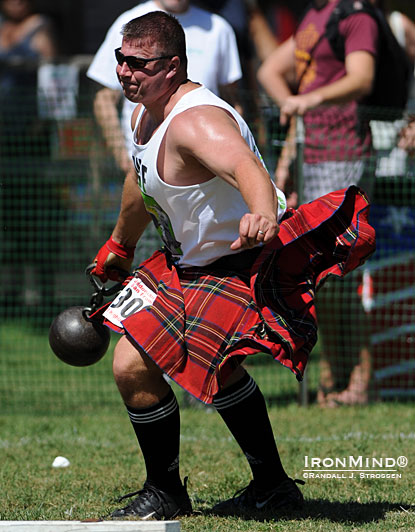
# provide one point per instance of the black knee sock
(158, 433)
(242, 407)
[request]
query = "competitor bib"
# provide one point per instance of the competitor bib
(134, 297)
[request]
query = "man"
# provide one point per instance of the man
(305, 78)
(407, 137)
(213, 60)
(197, 309)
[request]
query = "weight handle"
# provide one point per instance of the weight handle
(110, 291)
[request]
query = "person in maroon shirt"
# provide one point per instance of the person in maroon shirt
(304, 77)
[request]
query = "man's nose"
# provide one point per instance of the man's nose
(124, 69)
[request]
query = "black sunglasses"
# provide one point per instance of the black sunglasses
(136, 62)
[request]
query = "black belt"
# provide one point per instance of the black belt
(236, 262)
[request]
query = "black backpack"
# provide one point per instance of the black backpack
(393, 71)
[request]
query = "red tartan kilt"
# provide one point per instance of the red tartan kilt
(204, 323)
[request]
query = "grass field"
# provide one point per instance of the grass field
(49, 409)
(105, 464)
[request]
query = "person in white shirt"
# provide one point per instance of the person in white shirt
(213, 61)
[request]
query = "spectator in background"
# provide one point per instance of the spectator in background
(407, 137)
(255, 41)
(26, 38)
(260, 31)
(212, 55)
(282, 17)
(403, 29)
(305, 78)
(253, 32)
(24, 33)
(391, 153)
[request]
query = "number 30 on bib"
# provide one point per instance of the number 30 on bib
(134, 297)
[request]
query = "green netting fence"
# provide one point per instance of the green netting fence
(60, 193)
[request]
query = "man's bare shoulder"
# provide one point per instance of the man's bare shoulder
(202, 121)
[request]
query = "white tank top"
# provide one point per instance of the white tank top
(197, 223)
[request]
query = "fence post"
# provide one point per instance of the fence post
(299, 185)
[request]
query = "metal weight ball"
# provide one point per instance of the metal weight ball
(77, 340)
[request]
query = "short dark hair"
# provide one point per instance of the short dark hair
(161, 29)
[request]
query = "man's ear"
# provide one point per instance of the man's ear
(174, 66)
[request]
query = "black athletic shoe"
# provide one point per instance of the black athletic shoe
(251, 500)
(154, 503)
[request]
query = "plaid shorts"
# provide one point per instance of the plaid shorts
(205, 321)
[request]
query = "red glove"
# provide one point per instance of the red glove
(104, 261)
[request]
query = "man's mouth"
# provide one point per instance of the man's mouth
(128, 84)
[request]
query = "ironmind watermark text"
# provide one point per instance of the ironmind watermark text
(353, 467)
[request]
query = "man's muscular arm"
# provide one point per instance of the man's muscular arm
(212, 138)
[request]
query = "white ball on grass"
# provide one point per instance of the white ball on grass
(61, 461)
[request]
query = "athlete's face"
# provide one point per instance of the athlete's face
(174, 6)
(145, 81)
